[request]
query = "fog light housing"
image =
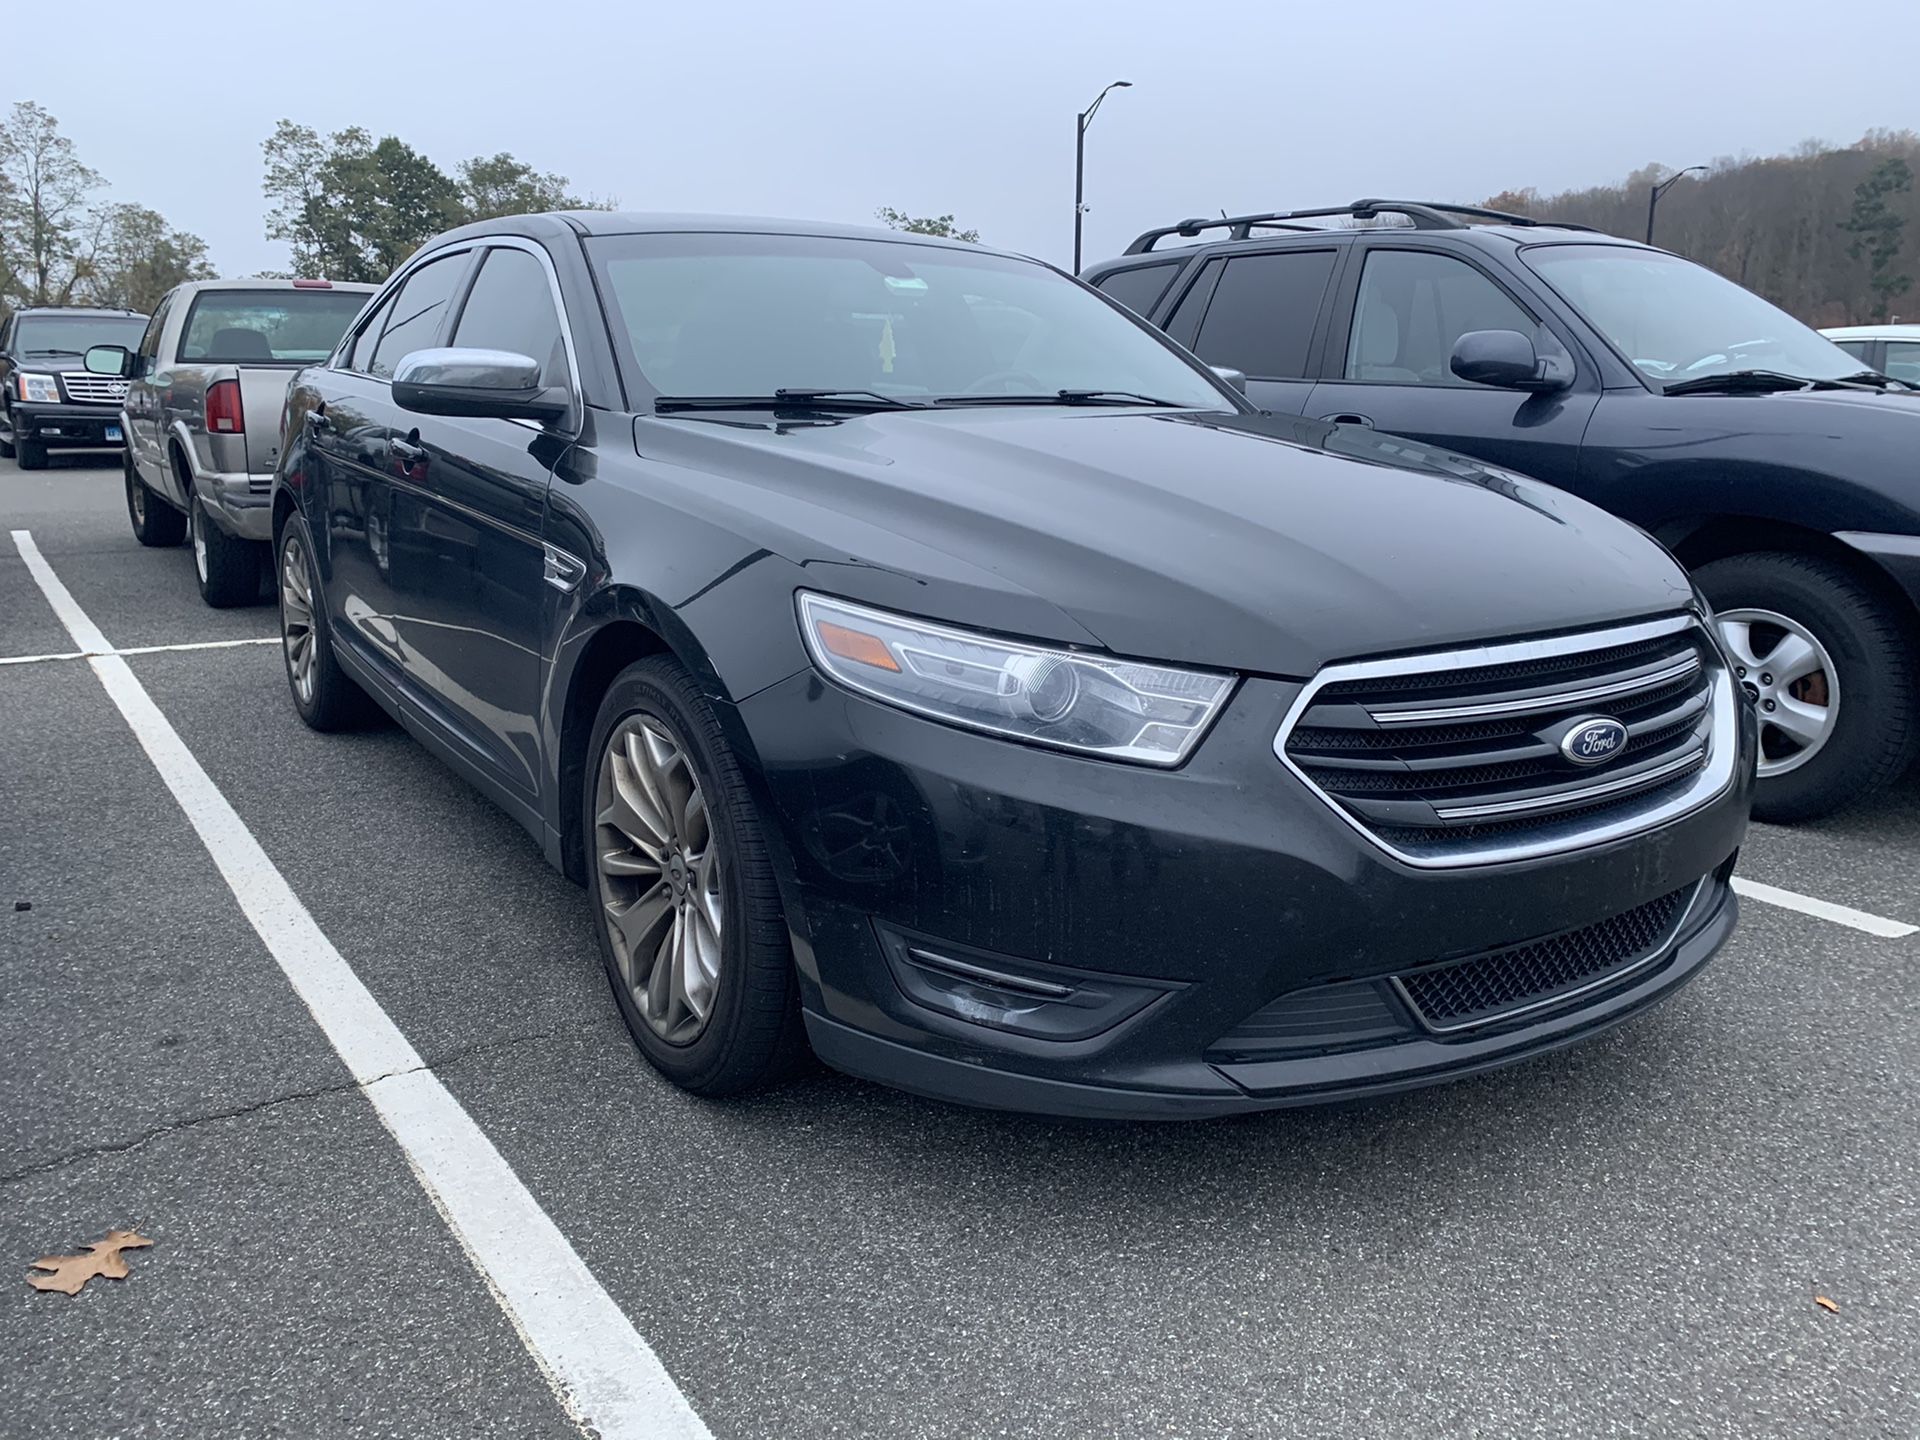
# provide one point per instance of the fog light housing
(1021, 997)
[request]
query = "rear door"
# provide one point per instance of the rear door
(469, 499)
(351, 433)
(1261, 312)
(1399, 311)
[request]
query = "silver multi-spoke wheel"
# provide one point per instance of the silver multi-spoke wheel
(197, 529)
(660, 877)
(137, 498)
(296, 615)
(1791, 680)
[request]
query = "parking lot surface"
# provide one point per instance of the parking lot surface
(1627, 1238)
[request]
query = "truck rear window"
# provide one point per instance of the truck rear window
(267, 327)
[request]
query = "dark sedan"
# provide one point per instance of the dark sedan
(916, 655)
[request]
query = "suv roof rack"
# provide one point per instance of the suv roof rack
(1425, 215)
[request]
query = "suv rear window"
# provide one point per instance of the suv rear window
(1263, 312)
(266, 327)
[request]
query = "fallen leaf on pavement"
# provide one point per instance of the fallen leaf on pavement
(68, 1273)
(1825, 1304)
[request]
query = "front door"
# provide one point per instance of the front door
(145, 443)
(469, 593)
(1388, 361)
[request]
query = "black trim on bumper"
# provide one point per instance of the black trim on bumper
(82, 425)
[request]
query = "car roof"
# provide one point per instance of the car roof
(1872, 332)
(356, 287)
(1258, 239)
(556, 223)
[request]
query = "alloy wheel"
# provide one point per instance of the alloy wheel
(196, 529)
(660, 877)
(137, 499)
(296, 617)
(1790, 678)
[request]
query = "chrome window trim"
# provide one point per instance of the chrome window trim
(1552, 1002)
(1710, 781)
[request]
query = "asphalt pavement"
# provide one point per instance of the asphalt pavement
(1627, 1238)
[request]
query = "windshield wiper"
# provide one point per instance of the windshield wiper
(787, 399)
(1754, 382)
(1876, 380)
(55, 351)
(1060, 397)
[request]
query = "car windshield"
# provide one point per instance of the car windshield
(1676, 320)
(748, 315)
(64, 335)
(267, 327)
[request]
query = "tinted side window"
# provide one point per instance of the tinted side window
(511, 308)
(360, 355)
(1859, 349)
(150, 342)
(417, 312)
(1183, 325)
(1263, 311)
(1139, 289)
(1903, 360)
(1413, 306)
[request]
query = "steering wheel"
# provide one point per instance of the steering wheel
(1030, 386)
(1713, 356)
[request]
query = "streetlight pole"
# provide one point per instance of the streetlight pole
(1080, 163)
(1653, 196)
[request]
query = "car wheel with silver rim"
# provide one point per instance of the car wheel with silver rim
(1826, 661)
(155, 522)
(322, 692)
(692, 934)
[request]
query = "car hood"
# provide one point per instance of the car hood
(1255, 543)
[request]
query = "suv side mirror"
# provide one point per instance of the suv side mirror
(114, 360)
(481, 384)
(1507, 360)
(1236, 378)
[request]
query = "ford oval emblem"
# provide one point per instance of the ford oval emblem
(1594, 741)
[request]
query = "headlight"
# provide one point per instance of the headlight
(39, 387)
(1120, 709)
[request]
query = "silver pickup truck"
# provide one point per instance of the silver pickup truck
(202, 415)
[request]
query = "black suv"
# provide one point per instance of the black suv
(47, 398)
(1778, 471)
(911, 650)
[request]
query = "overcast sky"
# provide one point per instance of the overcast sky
(830, 108)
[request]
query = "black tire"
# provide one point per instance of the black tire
(155, 522)
(336, 702)
(1873, 736)
(6, 441)
(227, 568)
(753, 1034)
(30, 454)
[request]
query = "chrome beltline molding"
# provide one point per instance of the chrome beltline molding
(1710, 780)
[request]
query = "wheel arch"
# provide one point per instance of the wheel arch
(1701, 540)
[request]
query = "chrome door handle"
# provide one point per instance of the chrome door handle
(407, 451)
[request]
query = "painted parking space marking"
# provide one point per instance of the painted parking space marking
(1824, 909)
(136, 649)
(605, 1376)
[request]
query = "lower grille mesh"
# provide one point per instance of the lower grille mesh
(1483, 988)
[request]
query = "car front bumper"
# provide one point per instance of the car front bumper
(64, 426)
(1008, 926)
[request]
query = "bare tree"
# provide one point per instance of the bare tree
(43, 207)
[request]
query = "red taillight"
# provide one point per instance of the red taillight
(313, 284)
(224, 415)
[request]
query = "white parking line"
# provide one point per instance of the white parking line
(135, 649)
(605, 1376)
(1824, 909)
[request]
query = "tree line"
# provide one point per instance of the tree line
(1829, 234)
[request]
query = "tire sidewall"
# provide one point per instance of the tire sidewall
(310, 710)
(1872, 682)
(643, 689)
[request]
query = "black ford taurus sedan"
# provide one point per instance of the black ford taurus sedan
(916, 656)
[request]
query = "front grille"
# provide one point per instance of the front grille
(1457, 758)
(88, 389)
(1527, 978)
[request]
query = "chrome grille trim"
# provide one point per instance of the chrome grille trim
(1704, 773)
(1680, 670)
(85, 388)
(1569, 798)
